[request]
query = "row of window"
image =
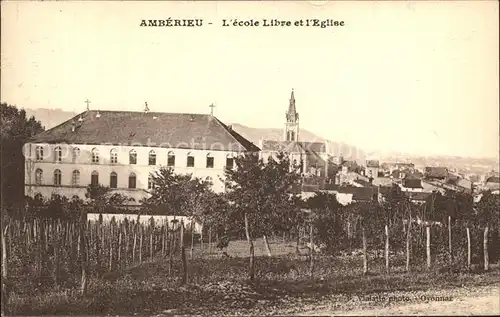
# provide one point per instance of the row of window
(133, 157)
(94, 179)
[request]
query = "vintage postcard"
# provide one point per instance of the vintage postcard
(231, 158)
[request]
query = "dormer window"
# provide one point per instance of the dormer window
(171, 159)
(95, 155)
(113, 156)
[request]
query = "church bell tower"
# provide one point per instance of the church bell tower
(292, 122)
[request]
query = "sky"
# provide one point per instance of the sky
(418, 77)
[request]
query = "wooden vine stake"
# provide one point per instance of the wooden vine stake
(485, 249)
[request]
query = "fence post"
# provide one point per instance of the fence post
(485, 249)
(365, 260)
(83, 256)
(183, 255)
(408, 245)
(311, 251)
(469, 253)
(387, 248)
(5, 283)
(428, 245)
(450, 254)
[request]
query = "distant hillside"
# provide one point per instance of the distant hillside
(50, 117)
(349, 152)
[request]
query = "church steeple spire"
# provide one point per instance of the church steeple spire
(292, 121)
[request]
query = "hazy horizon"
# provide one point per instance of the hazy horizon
(411, 77)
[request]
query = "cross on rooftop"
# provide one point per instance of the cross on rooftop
(87, 101)
(212, 106)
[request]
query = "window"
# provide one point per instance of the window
(152, 157)
(113, 180)
(58, 154)
(209, 179)
(75, 178)
(95, 155)
(132, 181)
(171, 159)
(210, 161)
(76, 153)
(132, 157)
(38, 176)
(150, 182)
(113, 154)
(94, 178)
(39, 153)
(57, 177)
(229, 162)
(190, 160)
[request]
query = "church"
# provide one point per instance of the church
(313, 157)
(119, 149)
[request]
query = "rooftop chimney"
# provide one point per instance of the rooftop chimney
(146, 108)
(230, 127)
(73, 126)
(98, 114)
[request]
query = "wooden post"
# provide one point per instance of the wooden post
(151, 235)
(365, 256)
(201, 236)
(5, 290)
(428, 245)
(141, 235)
(134, 246)
(163, 241)
(83, 257)
(192, 239)
(485, 249)
(450, 254)
(183, 256)
(268, 249)
(97, 242)
(111, 242)
(387, 248)
(408, 245)
(56, 254)
(210, 240)
(311, 251)
(119, 244)
(469, 253)
(251, 264)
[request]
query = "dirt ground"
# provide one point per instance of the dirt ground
(484, 300)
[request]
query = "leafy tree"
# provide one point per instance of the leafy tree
(15, 129)
(102, 198)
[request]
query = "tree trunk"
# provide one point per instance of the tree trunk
(83, 258)
(428, 245)
(469, 253)
(251, 267)
(268, 249)
(141, 236)
(387, 248)
(485, 249)
(201, 236)
(192, 239)
(408, 246)
(365, 255)
(134, 245)
(163, 237)
(297, 245)
(210, 240)
(450, 254)
(5, 290)
(183, 256)
(311, 252)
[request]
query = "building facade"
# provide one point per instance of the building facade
(121, 149)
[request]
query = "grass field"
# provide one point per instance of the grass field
(218, 286)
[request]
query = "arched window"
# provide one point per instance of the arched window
(132, 181)
(113, 156)
(95, 155)
(190, 160)
(210, 161)
(38, 176)
(229, 161)
(113, 180)
(152, 158)
(94, 178)
(171, 159)
(76, 154)
(57, 177)
(132, 157)
(39, 153)
(75, 178)
(150, 182)
(58, 154)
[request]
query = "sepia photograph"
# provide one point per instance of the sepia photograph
(250, 158)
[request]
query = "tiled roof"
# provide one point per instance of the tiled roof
(359, 193)
(493, 179)
(372, 163)
(436, 172)
(410, 182)
(420, 196)
(290, 146)
(174, 130)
